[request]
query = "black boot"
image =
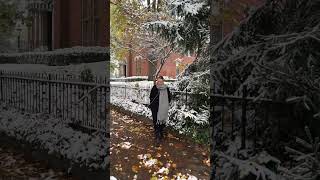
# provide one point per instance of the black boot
(162, 132)
(161, 135)
(157, 141)
(156, 137)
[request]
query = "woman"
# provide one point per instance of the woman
(160, 97)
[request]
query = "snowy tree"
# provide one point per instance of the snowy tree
(305, 163)
(8, 17)
(186, 24)
(131, 37)
(274, 52)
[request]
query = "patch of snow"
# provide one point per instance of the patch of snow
(70, 51)
(113, 178)
(97, 68)
(125, 145)
(163, 170)
(150, 162)
(56, 137)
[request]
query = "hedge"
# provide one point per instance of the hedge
(61, 57)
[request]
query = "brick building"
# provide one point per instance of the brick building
(137, 66)
(66, 23)
(80, 23)
(40, 25)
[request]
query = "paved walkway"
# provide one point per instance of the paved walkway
(133, 155)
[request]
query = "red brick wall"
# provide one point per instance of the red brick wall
(131, 65)
(67, 23)
(169, 69)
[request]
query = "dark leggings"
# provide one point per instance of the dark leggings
(158, 128)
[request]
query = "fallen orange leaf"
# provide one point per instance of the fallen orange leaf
(135, 168)
(174, 166)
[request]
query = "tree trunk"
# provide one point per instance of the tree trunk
(152, 70)
(154, 5)
(216, 25)
(148, 4)
(159, 5)
(130, 60)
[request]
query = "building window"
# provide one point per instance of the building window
(96, 31)
(138, 61)
(90, 22)
(95, 8)
(138, 68)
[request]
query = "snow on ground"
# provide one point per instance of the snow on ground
(176, 121)
(98, 68)
(55, 136)
(133, 155)
(142, 78)
(135, 91)
(140, 84)
(134, 96)
(136, 108)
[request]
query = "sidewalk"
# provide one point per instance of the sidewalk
(133, 155)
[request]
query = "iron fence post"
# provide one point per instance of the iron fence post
(186, 97)
(125, 91)
(49, 94)
(244, 117)
(232, 121)
(213, 140)
(1, 85)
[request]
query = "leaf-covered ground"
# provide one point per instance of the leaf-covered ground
(15, 165)
(134, 156)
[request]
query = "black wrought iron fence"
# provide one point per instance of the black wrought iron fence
(141, 95)
(244, 116)
(84, 104)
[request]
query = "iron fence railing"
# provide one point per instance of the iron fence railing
(141, 94)
(83, 104)
(243, 115)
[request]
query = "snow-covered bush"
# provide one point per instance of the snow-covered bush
(138, 78)
(182, 119)
(300, 165)
(274, 53)
(86, 75)
(191, 115)
(306, 159)
(56, 137)
(255, 167)
(130, 79)
(64, 56)
(190, 122)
